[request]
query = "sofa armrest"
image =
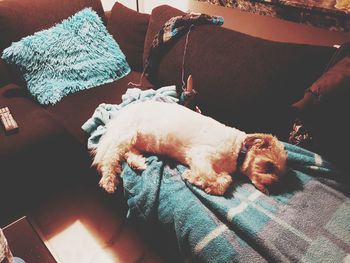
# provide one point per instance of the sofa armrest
(4, 74)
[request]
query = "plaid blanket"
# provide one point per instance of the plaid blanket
(169, 32)
(306, 217)
(305, 220)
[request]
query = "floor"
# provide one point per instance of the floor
(85, 224)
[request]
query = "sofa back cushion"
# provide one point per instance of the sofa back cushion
(20, 18)
(242, 81)
(129, 28)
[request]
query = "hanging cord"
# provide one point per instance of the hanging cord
(184, 57)
(132, 84)
(188, 94)
(139, 84)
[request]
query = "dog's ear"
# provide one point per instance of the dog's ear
(258, 140)
(266, 174)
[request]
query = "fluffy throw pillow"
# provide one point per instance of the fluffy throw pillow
(74, 55)
(323, 109)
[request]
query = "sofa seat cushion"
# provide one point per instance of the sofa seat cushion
(39, 158)
(4, 74)
(35, 123)
(242, 81)
(74, 110)
(37, 128)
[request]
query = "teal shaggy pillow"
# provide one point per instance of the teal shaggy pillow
(74, 55)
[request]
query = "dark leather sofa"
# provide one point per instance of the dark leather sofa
(242, 81)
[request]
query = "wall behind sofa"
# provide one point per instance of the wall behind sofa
(251, 24)
(272, 28)
(146, 6)
(108, 4)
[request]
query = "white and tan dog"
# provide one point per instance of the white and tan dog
(209, 148)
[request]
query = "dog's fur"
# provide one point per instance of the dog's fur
(209, 148)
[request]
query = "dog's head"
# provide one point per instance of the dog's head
(265, 160)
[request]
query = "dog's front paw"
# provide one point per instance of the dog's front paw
(109, 183)
(220, 186)
(193, 179)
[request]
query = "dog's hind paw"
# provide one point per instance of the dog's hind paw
(109, 183)
(136, 161)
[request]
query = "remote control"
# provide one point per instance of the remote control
(8, 121)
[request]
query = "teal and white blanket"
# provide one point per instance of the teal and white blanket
(305, 219)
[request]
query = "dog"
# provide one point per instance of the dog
(211, 150)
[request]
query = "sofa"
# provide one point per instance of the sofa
(241, 80)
